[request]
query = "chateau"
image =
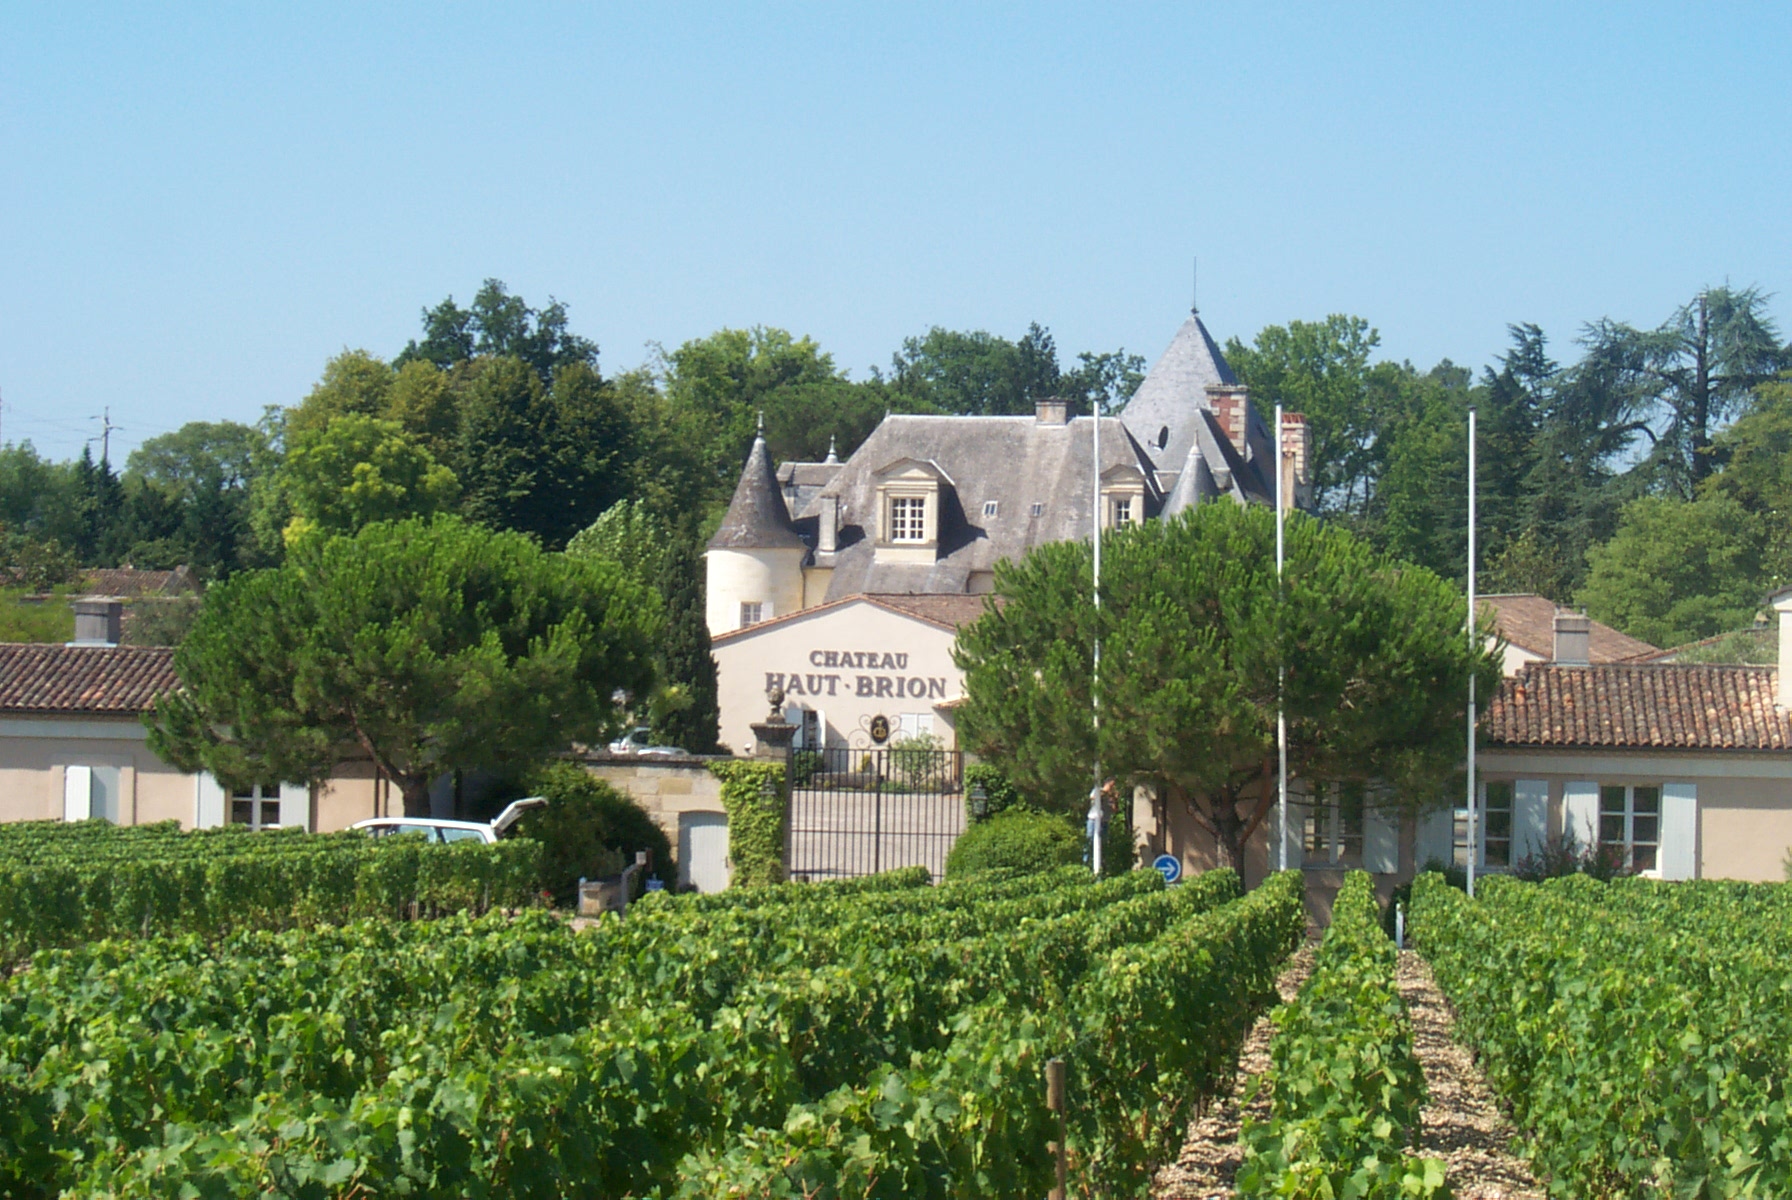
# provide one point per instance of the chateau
(843, 582)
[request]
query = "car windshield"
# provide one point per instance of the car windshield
(462, 835)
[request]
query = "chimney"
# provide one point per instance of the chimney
(98, 621)
(1297, 453)
(1052, 411)
(1573, 639)
(1782, 604)
(827, 531)
(1227, 403)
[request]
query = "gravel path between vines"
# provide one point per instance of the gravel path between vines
(1462, 1124)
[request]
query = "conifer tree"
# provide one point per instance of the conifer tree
(685, 660)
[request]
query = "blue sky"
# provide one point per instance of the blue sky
(200, 205)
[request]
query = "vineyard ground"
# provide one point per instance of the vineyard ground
(1461, 1124)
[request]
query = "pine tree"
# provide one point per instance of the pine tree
(685, 660)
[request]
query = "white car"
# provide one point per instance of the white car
(640, 741)
(440, 829)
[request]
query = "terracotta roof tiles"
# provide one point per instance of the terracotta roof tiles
(49, 679)
(1640, 706)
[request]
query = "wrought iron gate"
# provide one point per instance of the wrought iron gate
(858, 812)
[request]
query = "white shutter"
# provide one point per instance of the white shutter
(1530, 818)
(821, 731)
(208, 807)
(1381, 842)
(294, 807)
(1580, 813)
(1679, 854)
(1436, 838)
(77, 793)
(103, 794)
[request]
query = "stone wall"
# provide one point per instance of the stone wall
(664, 785)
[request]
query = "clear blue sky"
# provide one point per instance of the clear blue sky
(200, 205)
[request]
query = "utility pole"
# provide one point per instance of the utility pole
(106, 428)
(1095, 813)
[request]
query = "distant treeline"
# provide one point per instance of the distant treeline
(1643, 480)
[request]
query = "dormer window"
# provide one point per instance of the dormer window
(1122, 511)
(1123, 496)
(908, 510)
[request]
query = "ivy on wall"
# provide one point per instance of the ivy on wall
(755, 819)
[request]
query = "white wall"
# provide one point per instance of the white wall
(773, 578)
(850, 662)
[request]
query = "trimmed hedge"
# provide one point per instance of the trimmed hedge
(1017, 840)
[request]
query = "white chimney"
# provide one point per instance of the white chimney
(98, 621)
(1052, 411)
(1573, 639)
(1782, 604)
(827, 531)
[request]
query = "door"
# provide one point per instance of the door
(703, 850)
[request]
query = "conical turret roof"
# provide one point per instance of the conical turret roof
(757, 518)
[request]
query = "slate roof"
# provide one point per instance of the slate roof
(1015, 462)
(1528, 621)
(757, 518)
(1640, 706)
(84, 680)
(1171, 401)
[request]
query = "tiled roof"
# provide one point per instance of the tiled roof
(1690, 706)
(83, 679)
(1528, 621)
(949, 611)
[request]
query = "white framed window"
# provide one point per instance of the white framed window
(1630, 824)
(991, 507)
(751, 612)
(1122, 511)
(1334, 833)
(1038, 509)
(91, 791)
(908, 519)
(257, 807)
(1495, 819)
(915, 725)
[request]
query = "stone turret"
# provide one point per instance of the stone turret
(755, 560)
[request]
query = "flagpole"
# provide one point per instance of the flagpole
(1095, 813)
(1473, 842)
(1281, 712)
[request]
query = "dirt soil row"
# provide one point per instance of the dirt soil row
(1462, 1124)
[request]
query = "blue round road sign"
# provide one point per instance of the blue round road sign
(1169, 866)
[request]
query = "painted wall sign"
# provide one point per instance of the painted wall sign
(876, 674)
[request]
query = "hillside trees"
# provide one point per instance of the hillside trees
(425, 645)
(1192, 634)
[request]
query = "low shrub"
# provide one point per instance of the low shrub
(1017, 840)
(589, 830)
(999, 793)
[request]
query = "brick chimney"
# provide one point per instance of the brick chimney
(1052, 411)
(1782, 604)
(98, 621)
(1297, 454)
(1227, 402)
(1573, 639)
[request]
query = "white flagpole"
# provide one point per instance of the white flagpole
(1095, 813)
(1281, 714)
(1473, 840)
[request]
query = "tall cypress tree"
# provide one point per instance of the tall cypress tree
(685, 660)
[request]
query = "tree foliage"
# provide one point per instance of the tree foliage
(1192, 636)
(356, 470)
(1677, 570)
(425, 645)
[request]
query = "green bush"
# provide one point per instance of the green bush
(589, 830)
(753, 794)
(999, 791)
(1018, 840)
